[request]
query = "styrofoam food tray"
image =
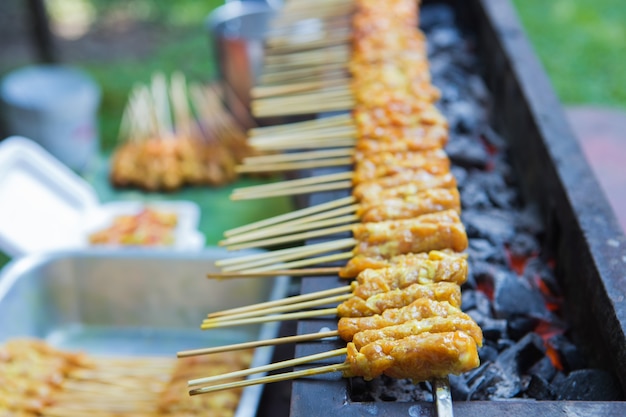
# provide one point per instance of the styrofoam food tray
(45, 206)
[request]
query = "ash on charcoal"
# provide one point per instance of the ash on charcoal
(442, 38)
(433, 15)
(514, 297)
(476, 300)
(473, 196)
(493, 329)
(502, 378)
(529, 221)
(478, 90)
(492, 224)
(518, 326)
(523, 245)
(467, 153)
(544, 368)
(588, 385)
(460, 174)
(487, 353)
(483, 250)
(387, 389)
(492, 137)
(540, 389)
(464, 118)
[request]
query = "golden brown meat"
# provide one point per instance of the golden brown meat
(436, 231)
(420, 357)
(371, 167)
(408, 207)
(405, 183)
(404, 270)
(457, 322)
(403, 139)
(377, 303)
(417, 310)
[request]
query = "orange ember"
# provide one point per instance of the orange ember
(547, 330)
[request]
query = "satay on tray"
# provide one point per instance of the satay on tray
(37, 379)
(173, 135)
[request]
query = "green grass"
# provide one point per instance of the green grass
(582, 45)
(189, 49)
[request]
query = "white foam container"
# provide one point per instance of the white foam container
(45, 206)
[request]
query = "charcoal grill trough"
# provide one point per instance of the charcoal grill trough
(582, 248)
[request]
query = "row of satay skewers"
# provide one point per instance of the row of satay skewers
(402, 316)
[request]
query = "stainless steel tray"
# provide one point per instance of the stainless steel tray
(131, 303)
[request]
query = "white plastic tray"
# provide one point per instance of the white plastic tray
(45, 206)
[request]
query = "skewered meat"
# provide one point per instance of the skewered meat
(402, 184)
(358, 307)
(375, 166)
(453, 323)
(436, 231)
(408, 207)
(417, 310)
(418, 357)
(404, 139)
(404, 270)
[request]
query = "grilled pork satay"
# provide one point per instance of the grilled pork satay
(404, 139)
(425, 202)
(435, 231)
(375, 304)
(405, 183)
(452, 323)
(418, 357)
(385, 164)
(417, 310)
(404, 270)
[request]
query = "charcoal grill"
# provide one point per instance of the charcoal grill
(582, 233)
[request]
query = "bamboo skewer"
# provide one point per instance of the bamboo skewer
(299, 156)
(308, 45)
(301, 138)
(331, 186)
(276, 317)
(281, 253)
(337, 142)
(309, 272)
(295, 166)
(291, 228)
(266, 368)
(332, 217)
(339, 53)
(314, 124)
(265, 91)
(259, 343)
(270, 110)
(277, 261)
(290, 216)
(288, 300)
(339, 176)
(307, 261)
(280, 309)
(296, 237)
(273, 378)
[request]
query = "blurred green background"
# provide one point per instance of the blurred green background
(122, 42)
